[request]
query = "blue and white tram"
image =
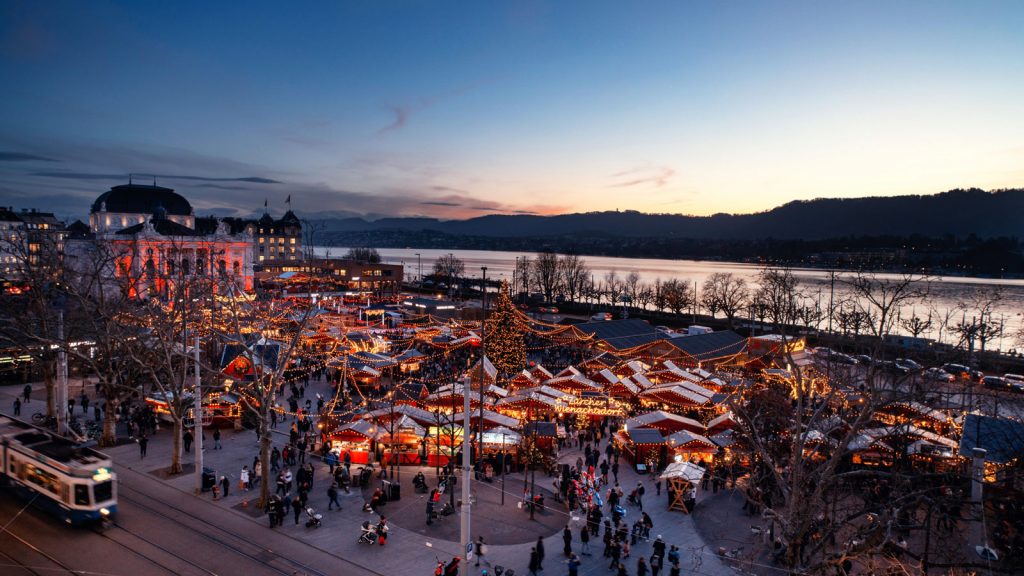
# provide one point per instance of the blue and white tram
(75, 483)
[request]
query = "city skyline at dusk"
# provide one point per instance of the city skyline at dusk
(463, 109)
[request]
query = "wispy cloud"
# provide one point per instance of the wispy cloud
(402, 112)
(438, 203)
(23, 157)
(93, 176)
(657, 176)
(448, 189)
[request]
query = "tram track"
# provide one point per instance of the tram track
(32, 569)
(257, 554)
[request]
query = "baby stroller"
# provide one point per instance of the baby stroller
(313, 518)
(368, 534)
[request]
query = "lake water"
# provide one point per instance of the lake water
(945, 293)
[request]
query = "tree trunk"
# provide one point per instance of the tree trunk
(265, 442)
(50, 382)
(176, 447)
(109, 424)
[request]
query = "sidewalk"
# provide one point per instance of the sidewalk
(418, 543)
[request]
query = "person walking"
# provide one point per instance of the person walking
(243, 478)
(296, 508)
(585, 541)
(641, 566)
(216, 439)
(534, 565)
(17, 407)
(143, 442)
(332, 496)
(481, 550)
(26, 392)
(574, 565)
(567, 541)
(540, 553)
(615, 551)
(225, 485)
(187, 438)
(656, 562)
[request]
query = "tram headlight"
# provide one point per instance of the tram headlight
(104, 512)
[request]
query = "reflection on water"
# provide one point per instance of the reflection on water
(945, 293)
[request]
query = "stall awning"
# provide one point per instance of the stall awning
(650, 436)
(684, 470)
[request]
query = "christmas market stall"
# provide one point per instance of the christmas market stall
(357, 438)
(681, 480)
(666, 422)
(691, 447)
(406, 445)
(543, 434)
(641, 446)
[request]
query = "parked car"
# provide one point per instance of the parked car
(1014, 377)
(957, 370)
(864, 359)
(939, 375)
(841, 358)
(995, 382)
(909, 364)
(547, 309)
(601, 316)
(894, 368)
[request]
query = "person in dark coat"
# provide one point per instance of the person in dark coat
(297, 508)
(567, 541)
(585, 542)
(224, 485)
(332, 497)
(143, 443)
(17, 406)
(534, 562)
(540, 553)
(187, 438)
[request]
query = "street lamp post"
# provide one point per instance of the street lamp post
(419, 268)
(483, 356)
(502, 464)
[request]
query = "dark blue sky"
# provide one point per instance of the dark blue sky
(463, 108)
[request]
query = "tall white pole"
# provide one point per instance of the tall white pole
(62, 379)
(464, 528)
(197, 428)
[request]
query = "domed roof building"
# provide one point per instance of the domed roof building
(130, 204)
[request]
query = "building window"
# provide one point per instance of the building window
(261, 240)
(292, 241)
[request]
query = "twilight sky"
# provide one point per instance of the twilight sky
(458, 109)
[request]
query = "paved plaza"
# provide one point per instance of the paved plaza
(412, 545)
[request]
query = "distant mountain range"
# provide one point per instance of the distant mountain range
(985, 214)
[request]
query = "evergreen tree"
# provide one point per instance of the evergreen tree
(503, 342)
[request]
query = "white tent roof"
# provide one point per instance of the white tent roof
(685, 470)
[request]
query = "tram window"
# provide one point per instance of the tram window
(81, 495)
(45, 480)
(103, 491)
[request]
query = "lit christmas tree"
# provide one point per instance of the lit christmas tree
(503, 342)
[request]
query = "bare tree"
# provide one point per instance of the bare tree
(612, 287)
(799, 428)
(632, 287)
(364, 254)
(881, 298)
(267, 336)
(915, 325)
(35, 265)
(575, 276)
(546, 274)
(523, 275)
(679, 295)
(726, 292)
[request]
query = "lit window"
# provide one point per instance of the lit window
(292, 241)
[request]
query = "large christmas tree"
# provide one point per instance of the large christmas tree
(503, 342)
